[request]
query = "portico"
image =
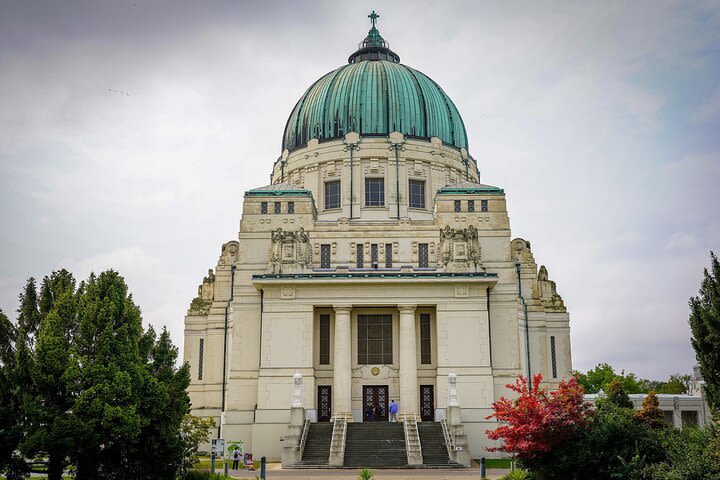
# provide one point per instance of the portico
(362, 341)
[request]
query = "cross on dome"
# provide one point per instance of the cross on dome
(373, 17)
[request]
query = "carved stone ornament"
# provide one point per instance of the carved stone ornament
(452, 389)
(289, 251)
(547, 293)
(229, 254)
(460, 249)
(200, 305)
(297, 397)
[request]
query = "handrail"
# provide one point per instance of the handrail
(448, 441)
(337, 442)
(303, 438)
(412, 438)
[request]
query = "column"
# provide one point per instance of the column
(408, 361)
(342, 361)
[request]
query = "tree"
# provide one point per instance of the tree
(603, 374)
(50, 427)
(10, 431)
(705, 328)
(131, 398)
(616, 395)
(651, 414)
(677, 384)
(28, 313)
(193, 431)
(538, 421)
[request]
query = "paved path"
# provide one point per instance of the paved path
(274, 471)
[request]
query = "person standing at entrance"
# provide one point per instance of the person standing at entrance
(236, 458)
(393, 411)
(369, 412)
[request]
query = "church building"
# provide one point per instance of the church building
(374, 267)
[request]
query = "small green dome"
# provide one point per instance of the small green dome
(374, 95)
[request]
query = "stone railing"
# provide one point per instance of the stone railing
(303, 438)
(412, 441)
(448, 441)
(337, 442)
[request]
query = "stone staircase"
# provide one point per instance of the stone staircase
(375, 445)
(317, 445)
(434, 450)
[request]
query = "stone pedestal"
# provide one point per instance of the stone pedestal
(457, 434)
(291, 454)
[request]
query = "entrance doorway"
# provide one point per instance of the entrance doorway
(324, 403)
(427, 403)
(378, 396)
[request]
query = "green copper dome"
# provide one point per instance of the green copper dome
(374, 95)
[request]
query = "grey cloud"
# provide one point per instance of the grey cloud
(579, 111)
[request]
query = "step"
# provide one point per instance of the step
(317, 445)
(432, 441)
(375, 445)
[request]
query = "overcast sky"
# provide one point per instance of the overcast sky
(129, 131)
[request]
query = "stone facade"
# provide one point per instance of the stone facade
(372, 267)
(256, 320)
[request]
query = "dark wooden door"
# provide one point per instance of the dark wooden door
(427, 403)
(378, 396)
(324, 403)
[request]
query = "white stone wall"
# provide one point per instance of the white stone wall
(273, 322)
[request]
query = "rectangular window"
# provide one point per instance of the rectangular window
(417, 194)
(374, 255)
(332, 194)
(552, 357)
(388, 255)
(375, 339)
(325, 255)
(324, 339)
(425, 357)
(423, 255)
(483, 205)
(374, 192)
(471, 205)
(458, 206)
(291, 207)
(263, 207)
(200, 358)
(360, 256)
(278, 207)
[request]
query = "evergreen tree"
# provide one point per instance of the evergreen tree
(164, 403)
(705, 327)
(10, 431)
(50, 427)
(651, 414)
(28, 313)
(616, 394)
(132, 398)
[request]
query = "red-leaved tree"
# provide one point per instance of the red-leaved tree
(537, 420)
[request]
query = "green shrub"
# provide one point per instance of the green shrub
(366, 474)
(517, 475)
(689, 456)
(202, 474)
(612, 445)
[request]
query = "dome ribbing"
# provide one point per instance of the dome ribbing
(374, 95)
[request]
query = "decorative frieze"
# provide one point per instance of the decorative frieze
(289, 251)
(459, 249)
